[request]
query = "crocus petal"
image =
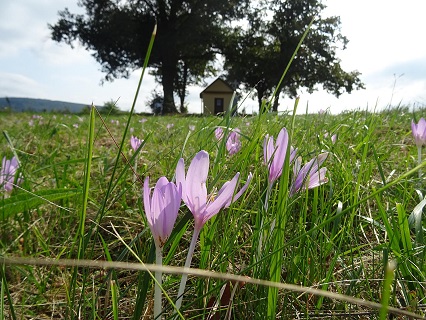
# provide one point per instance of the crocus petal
(268, 149)
(157, 217)
(318, 178)
(166, 218)
(161, 183)
(180, 178)
(297, 166)
(146, 198)
(225, 196)
(196, 178)
(161, 209)
(276, 166)
(309, 173)
(242, 190)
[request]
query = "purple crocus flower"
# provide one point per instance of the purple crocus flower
(233, 144)
(169, 126)
(203, 207)
(218, 133)
(7, 174)
(310, 175)
(333, 137)
(194, 189)
(162, 208)
(419, 132)
(135, 143)
(274, 154)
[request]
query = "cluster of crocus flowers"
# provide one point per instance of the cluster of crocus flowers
(162, 208)
(8, 171)
(419, 134)
(311, 175)
(233, 143)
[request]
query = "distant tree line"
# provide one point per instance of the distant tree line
(255, 38)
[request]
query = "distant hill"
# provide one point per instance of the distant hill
(40, 105)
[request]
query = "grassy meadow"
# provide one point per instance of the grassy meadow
(348, 247)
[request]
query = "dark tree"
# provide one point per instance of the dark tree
(118, 34)
(266, 46)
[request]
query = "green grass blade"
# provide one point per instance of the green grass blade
(5, 290)
(404, 229)
(386, 292)
(86, 183)
(30, 200)
(114, 297)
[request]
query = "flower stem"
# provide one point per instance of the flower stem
(262, 236)
(419, 159)
(135, 169)
(187, 265)
(158, 277)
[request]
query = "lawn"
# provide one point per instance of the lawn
(349, 248)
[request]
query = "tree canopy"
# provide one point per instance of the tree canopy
(190, 33)
(257, 55)
(118, 34)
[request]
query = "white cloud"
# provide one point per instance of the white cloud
(13, 85)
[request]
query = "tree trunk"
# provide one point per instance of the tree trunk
(182, 91)
(169, 73)
(261, 100)
(276, 100)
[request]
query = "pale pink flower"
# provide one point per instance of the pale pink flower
(419, 132)
(135, 143)
(333, 137)
(194, 189)
(233, 143)
(218, 133)
(202, 206)
(162, 208)
(7, 174)
(274, 154)
(310, 175)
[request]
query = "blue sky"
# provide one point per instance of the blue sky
(386, 45)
